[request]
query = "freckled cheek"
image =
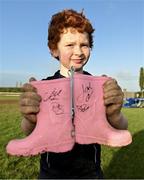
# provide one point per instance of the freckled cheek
(87, 53)
(65, 56)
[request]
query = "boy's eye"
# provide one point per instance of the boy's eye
(69, 45)
(85, 45)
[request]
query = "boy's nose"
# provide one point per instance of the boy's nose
(78, 50)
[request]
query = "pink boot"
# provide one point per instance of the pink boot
(54, 126)
(91, 125)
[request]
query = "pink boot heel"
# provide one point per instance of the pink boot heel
(91, 125)
(53, 129)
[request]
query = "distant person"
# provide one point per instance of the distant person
(70, 41)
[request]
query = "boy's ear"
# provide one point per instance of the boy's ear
(54, 53)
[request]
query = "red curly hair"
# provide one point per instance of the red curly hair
(68, 19)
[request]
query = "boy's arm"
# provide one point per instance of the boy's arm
(113, 100)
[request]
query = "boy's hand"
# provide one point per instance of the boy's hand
(113, 98)
(30, 102)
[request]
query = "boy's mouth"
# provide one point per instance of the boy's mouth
(78, 61)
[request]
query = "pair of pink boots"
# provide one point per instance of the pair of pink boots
(55, 131)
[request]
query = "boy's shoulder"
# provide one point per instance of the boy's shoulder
(57, 75)
(86, 73)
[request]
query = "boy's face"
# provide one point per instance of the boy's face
(73, 49)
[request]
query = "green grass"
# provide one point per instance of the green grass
(126, 162)
(14, 167)
(9, 97)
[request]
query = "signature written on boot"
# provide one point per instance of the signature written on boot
(54, 98)
(84, 97)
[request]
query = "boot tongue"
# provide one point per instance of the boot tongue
(66, 72)
(71, 71)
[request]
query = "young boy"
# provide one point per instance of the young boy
(70, 41)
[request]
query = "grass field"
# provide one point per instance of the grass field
(122, 163)
(9, 97)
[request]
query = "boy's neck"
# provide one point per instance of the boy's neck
(64, 71)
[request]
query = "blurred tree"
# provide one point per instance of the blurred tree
(141, 80)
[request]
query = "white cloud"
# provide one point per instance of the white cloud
(128, 80)
(10, 79)
(126, 76)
